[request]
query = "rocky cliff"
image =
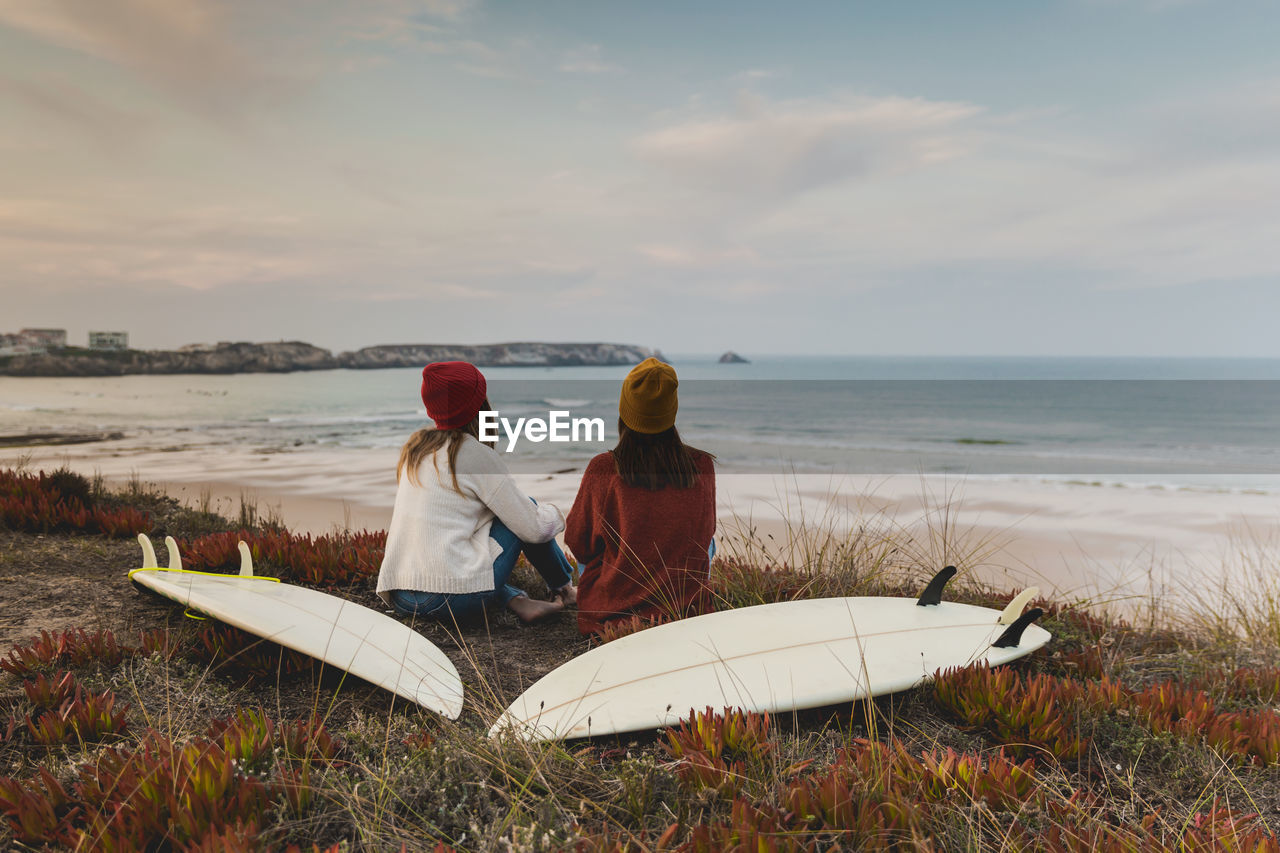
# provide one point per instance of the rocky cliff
(224, 358)
(287, 356)
(498, 355)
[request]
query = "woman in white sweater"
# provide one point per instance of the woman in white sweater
(460, 522)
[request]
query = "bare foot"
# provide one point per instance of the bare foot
(568, 595)
(531, 611)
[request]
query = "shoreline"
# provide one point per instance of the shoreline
(1123, 547)
(17, 441)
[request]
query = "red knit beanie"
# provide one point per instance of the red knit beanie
(453, 392)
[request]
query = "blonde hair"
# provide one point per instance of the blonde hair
(425, 442)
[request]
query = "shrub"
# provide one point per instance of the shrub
(751, 826)
(716, 750)
(616, 629)
(733, 733)
(1027, 713)
(166, 792)
(306, 740)
(71, 647)
(858, 797)
(997, 781)
(736, 583)
(158, 641)
(334, 560)
(1169, 707)
(207, 793)
(85, 718)
(1246, 684)
(1252, 735)
(1072, 829)
(61, 502)
(45, 692)
(247, 738)
(69, 485)
(1041, 711)
(248, 654)
(38, 811)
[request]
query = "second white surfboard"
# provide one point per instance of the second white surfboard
(773, 657)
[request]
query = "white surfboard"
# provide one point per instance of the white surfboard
(772, 657)
(354, 638)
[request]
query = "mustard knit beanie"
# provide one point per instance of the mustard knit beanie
(648, 402)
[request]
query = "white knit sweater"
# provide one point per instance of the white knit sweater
(439, 539)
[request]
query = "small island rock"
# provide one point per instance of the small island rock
(732, 357)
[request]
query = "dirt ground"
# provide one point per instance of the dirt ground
(57, 582)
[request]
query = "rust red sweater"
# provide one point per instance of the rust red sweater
(641, 551)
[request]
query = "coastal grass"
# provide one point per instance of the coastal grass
(1243, 601)
(1156, 731)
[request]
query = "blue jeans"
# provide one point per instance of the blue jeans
(546, 557)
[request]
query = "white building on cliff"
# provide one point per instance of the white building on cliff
(108, 340)
(32, 341)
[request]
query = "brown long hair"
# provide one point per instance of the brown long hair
(655, 460)
(425, 442)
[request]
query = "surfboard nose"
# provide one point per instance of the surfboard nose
(452, 706)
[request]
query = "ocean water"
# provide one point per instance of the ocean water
(1167, 423)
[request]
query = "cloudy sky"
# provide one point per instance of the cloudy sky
(1090, 177)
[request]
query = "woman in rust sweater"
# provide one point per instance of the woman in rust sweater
(642, 524)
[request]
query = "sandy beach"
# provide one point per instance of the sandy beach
(1115, 545)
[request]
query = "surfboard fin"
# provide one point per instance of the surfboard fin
(1013, 634)
(933, 592)
(175, 559)
(148, 552)
(246, 560)
(1010, 613)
